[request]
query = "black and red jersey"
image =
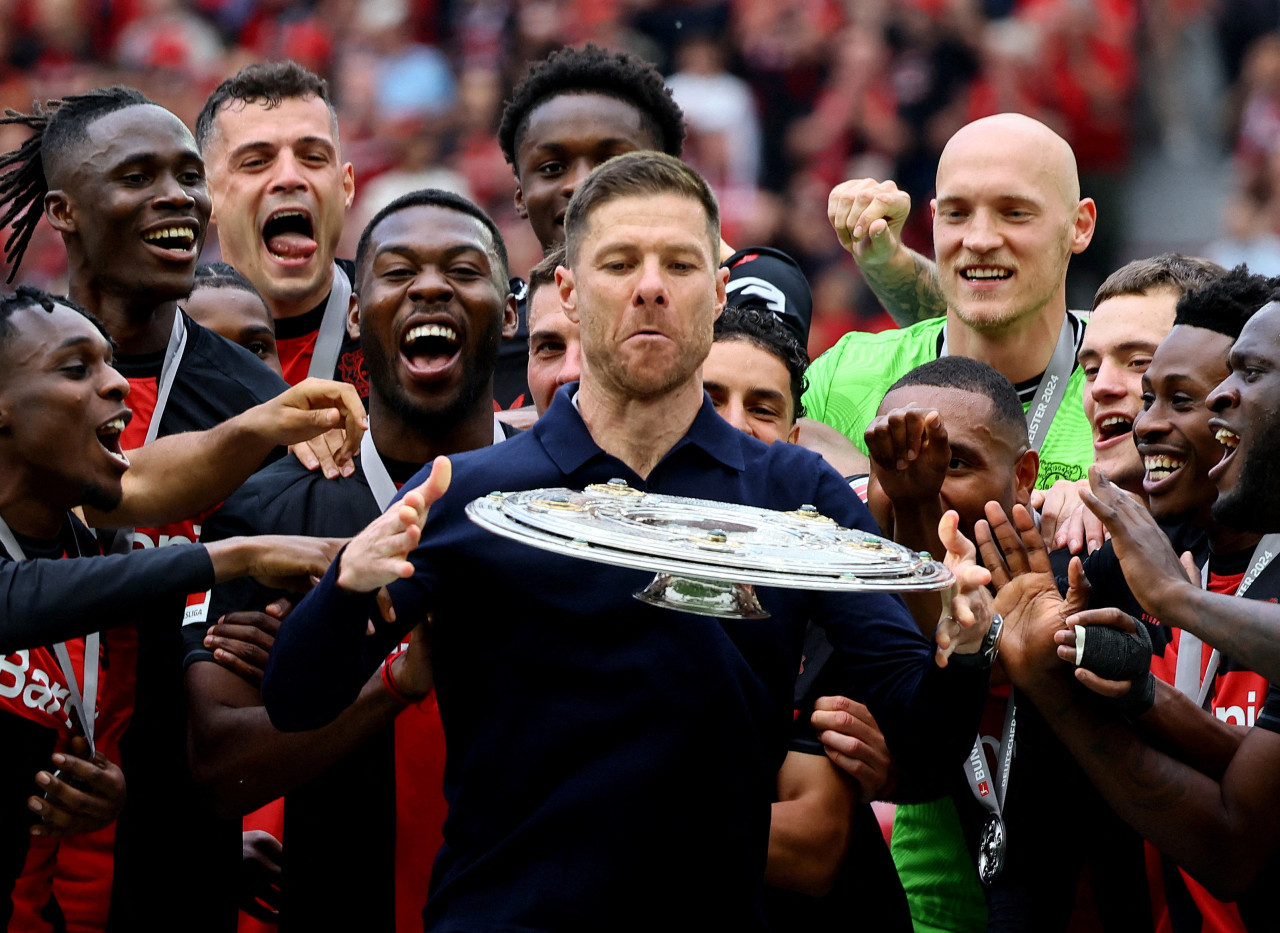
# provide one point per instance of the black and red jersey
(296, 344)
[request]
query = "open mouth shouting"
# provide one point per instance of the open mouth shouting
(108, 434)
(178, 239)
(1230, 442)
(289, 235)
(1111, 427)
(429, 349)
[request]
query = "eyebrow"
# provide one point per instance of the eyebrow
(73, 342)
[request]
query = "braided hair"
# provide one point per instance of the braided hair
(25, 172)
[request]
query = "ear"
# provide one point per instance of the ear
(349, 183)
(60, 212)
(353, 317)
(794, 434)
(1086, 221)
(510, 318)
(1024, 477)
(933, 209)
(568, 293)
(722, 295)
(521, 211)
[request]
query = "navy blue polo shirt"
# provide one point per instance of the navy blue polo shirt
(611, 764)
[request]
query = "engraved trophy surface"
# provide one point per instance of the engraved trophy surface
(707, 555)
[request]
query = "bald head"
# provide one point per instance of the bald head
(1044, 158)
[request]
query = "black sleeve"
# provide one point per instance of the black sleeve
(46, 601)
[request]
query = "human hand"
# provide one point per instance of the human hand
(868, 216)
(241, 641)
(288, 562)
(379, 554)
(854, 743)
(83, 794)
(1064, 520)
(967, 610)
(260, 858)
(1151, 567)
(323, 453)
(1026, 593)
(311, 408)
(909, 453)
(411, 669)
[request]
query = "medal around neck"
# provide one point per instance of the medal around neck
(707, 555)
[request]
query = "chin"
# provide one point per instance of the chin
(102, 498)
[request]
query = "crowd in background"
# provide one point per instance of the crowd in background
(783, 100)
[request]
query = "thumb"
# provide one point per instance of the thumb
(1189, 565)
(437, 483)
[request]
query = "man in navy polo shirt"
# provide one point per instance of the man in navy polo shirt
(610, 763)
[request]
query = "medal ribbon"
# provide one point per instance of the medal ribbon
(83, 705)
(1186, 676)
(1052, 385)
(324, 358)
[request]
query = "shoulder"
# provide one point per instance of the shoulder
(287, 498)
(232, 368)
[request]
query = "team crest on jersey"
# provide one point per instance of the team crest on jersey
(351, 369)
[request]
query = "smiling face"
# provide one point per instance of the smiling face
(133, 206)
(280, 195)
(1246, 421)
(751, 389)
(988, 462)
(1006, 220)
(433, 306)
(1116, 350)
(564, 138)
(238, 315)
(645, 288)
(555, 347)
(62, 409)
(1172, 431)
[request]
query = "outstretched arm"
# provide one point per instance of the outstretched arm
(184, 474)
(868, 216)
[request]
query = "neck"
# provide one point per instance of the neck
(395, 438)
(136, 325)
(638, 432)
(1227, 541)
(293, 307)
(26, 513)
(1018, 353)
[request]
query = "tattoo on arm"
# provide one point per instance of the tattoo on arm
(911, 297)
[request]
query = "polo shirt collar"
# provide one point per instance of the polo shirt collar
(566, 440)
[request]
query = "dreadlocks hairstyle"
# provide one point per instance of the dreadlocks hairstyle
(25, 172)
(1226, 303)
(592, 70)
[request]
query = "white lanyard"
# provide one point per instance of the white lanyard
(1053, 382)
(84, 705)
(1186, 677)
(324, 358)
(122, 540)
(375, 471)
(990, 790)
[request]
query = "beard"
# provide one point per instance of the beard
(1253, 504)
(101, 498)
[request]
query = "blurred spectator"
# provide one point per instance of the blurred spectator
(1248, 233)
(723, 139)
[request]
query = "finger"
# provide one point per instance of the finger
(1107, 688)
(386, 608)
(246, 669)
(989, 551)
(959, 548)
(1189, 565)
(1095, 533)
(1108, 616)
(229, 636)
(898, 436)
(305, 455)
(355, 421)
(279, 609)
(1078, 586)
(879, 442)
(1037, 501)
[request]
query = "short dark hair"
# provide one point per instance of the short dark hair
(762, 329)
(433, 197)
(266, 83)
(970, 375)
(27, 296)
(632, 174)
(592, 70)
(222, 275)
(544, 273)
(1172, 271)
(1225, 304)
(55, 128)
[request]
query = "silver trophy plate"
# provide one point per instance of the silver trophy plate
(707, 555)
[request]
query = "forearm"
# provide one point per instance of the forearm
(810, 827)
(939, 730)
(321, 657)
(47, 601)
(915, 525)
(1247, 630)
(241, 762)
(907, 286)
(1188, 733)
(181, 475)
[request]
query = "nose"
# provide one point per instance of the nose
(113, 386)
(982, 234)
(1224, 395)
(579, 169)
(1109, 383)
(1151, 423)
(172, 193)
(286, 174)
(651, 288)
(571, 367)
(430, 285)
(734, 412)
